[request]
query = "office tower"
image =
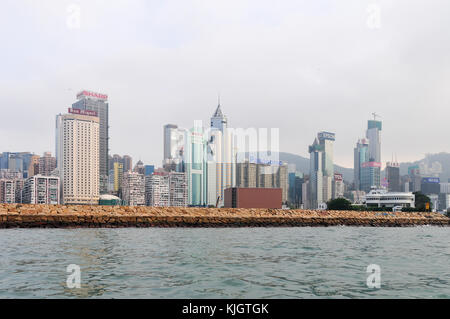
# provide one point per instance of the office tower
(338, 186)
(127, 163)
(118, 177)
(157, 190)
(195, 165)
(47, 164)
(370, 176)
(33, 168)
(374, 135)
(40, 189)
(326, 140)
(98, 104)
(316, 174)
(393, 176)
(221, 162)
(305, 192)
(361, 155)
(139, 168)
(133, 189)
(174, 143)
(78, 158)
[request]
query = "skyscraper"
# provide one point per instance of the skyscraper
(393, 176)
(361, 155)
(374, 135)
(195, 165)
(174, 143)
(47, 164)
(326, 139)
(78, 158)
(98, 103)
(316, 174)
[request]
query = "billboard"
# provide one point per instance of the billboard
(83, 112)
(99, 96)
(433, 180)
(371, 164)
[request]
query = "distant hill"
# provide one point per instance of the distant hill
(431, 165)
(302, 165)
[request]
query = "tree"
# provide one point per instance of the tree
(339, 204)
(421, 201)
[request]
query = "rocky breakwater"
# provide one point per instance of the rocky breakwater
(51, 216)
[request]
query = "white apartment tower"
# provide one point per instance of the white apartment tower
(77, 153)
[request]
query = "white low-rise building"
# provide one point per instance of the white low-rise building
(382, 198)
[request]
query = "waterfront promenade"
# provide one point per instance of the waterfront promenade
(50, 216)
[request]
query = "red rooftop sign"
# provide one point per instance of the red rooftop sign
(92, 94)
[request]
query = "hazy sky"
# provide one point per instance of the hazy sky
(301, 66)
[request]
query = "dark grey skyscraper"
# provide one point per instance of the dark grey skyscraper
(98, 103)
(393, 176)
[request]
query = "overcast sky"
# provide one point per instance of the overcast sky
(300, 66)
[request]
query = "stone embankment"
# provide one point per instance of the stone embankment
(49, 216)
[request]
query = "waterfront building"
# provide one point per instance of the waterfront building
(393, 176)
(382, 198)
(157, 190)
(78, 158)
(40, 189)
(7, 191)
(109, 200)
(133, 189)
(47, 164)
(415, 178)
(97, 103)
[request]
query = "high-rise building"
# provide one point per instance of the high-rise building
(118, 177)
(127, 163)
(316, 174)
(178, 190)
(98, 103)
(415, 178)
(133, 189)
(361, 155)
(393, 177)
(47, 164)
(195, 165)
(8, 191)
(157, 190)
(374, 135)
(174, 143)
(139, 168)
(338, 186)
(40, 189)
(78, 158)
(321, 169)
(149, 170)
(430, 186)
(370, 176)
(33, 168)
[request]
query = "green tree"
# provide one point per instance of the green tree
(339, 204)
(421, 201)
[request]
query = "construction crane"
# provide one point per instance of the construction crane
(375, 115)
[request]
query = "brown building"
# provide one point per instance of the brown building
(253, 197)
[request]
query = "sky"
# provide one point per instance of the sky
(300, 66)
